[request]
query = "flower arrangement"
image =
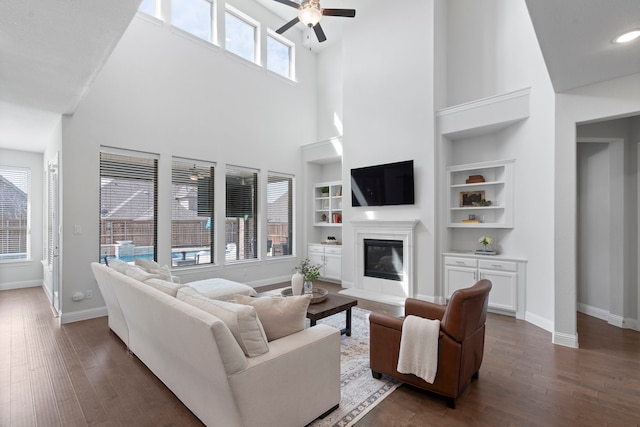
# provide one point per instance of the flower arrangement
(310, 271)
(486, 241)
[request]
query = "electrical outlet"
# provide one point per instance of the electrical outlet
(78, 296)
(89, 294)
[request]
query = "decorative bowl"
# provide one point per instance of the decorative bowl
(318, 295)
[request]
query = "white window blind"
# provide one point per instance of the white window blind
(241, 225)
(15, 187)
(192, 221)
(279, 215)
(128, 206)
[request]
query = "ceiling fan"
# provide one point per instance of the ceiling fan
(310, 14)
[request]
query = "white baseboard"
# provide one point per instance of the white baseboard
(539, 321)
(596, 312)
(20, 285)
(77, 316)
(612, 319)
(566, 340)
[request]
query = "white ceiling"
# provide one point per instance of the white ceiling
(51, 51)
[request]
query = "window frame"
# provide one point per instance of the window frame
(290, 214)
(257, 45)
(213, 36)
(6, 169)
(271, 34)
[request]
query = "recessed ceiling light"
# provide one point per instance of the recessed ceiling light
(627, 37)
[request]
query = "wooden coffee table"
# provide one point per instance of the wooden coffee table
(332, 305)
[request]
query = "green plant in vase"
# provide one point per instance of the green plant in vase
(486, 242)
(310, 272)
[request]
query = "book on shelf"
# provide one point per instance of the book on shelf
(474, 179)
(470, 221)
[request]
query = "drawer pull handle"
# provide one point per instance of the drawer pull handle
(460, 262)
(496, 265)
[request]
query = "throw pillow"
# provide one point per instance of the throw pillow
(279, 316)
(119, 265)
(165, 286)
(139, 274)
(154, 268)
(222, 289)
(242, 320)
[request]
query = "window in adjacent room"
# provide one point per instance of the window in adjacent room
(196, 17)
(192, 201)
(15, 231)
(280, 55)
(241, 225)
(241, 35)
(128, 205)
(279, 215)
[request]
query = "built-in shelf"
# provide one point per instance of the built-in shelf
(327, 204)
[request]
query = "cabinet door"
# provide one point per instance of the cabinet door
(318, 259)
(333, 266)
(458, 278)
(503, 293)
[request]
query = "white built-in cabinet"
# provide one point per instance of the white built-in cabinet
(486, 204)
(507, 276)
(327, 204)
(329, 257)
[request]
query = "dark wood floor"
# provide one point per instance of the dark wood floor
(81, 374)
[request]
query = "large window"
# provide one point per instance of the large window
(15, 188)
(150, 7)
(196, 17)
(280, 55)
(241, 35)
(241, 225)
(192, 201)
(279, 215)
(128, 205)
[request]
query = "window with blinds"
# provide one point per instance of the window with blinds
(192, 223)
(279, 215)
(128, 206)
(15, 188)
(241, 225)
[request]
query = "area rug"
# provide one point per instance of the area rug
(360, 392)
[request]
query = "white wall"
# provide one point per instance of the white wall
(492, 50)
(163, 93)
(27, 273)
(330, 92)
(389, 116)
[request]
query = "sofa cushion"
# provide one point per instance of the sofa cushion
(140, 274)
(279, 316)
(222, 289)
(119, 265)
(154, 268)
(242, 320)
(168, 288)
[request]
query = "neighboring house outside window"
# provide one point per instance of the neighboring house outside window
(15, 223)
(279, 215)
(128, 205)
(192, 204)
(241, 225)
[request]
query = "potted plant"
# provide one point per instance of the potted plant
(309, 273)
(324, 191)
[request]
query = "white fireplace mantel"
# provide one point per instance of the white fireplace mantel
(376, 289)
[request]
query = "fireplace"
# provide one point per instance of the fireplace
(383, 259)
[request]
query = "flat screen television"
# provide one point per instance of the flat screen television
(382, 185)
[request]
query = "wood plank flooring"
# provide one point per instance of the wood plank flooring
(80, 374)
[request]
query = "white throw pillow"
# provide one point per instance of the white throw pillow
(154, 268)
(242, 320)
(119, 265)
(279, 316)
(139, 274)
(222, 289)
(167, 287)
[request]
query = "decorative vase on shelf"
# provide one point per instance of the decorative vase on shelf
(297, 281)
(308, 287)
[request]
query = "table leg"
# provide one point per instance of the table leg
(348, 328)
(313, 322)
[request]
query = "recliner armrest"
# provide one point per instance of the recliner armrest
(425, 309)
(386, 321)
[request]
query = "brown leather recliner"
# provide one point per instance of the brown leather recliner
(460, 346)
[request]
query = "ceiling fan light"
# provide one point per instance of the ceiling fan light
(627, 37)
(309, 15)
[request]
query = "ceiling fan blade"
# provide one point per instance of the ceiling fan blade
(319, 32)
(288, 25)
(346, 13)
(289, 3)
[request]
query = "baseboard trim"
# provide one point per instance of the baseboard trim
(80, 315)
(566, 340)
(20, 285)
(592, 311)
(539, 321)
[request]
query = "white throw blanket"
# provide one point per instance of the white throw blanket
(419, 348)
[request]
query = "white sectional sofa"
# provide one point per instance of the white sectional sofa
(197, 356)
